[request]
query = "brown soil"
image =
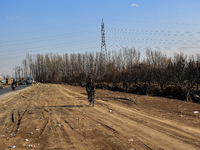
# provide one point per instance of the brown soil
(54, 116)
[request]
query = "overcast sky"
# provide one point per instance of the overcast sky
(74, 26)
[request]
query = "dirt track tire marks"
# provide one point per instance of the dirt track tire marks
(82, 129)
(60, 118)
(103, 125)
(170, 131)
(16, 118)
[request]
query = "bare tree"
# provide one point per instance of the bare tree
(123, 67)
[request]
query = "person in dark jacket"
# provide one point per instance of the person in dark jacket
(90, 87)
(14, 85)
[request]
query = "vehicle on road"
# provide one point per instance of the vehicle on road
(1, 85)
(14, 85)
(29, 80)
(3, 81)
(20, 82)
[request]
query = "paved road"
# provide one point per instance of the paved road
(7, 90)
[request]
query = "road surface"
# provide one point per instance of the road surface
(49, 116)
(7, 90)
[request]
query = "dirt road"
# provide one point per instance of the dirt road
(49, 116)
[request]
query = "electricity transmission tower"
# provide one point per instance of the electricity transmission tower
(103, 54)
(103, 41)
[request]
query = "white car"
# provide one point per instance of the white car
(3, 81)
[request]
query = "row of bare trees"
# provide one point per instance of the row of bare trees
(124, 66)
(22, 72)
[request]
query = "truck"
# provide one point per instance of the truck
(29, 80)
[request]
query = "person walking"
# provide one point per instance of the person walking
(91, 91)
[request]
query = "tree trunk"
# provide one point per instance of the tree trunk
(188, 96)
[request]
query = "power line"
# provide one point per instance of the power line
(155, 40)
(58, 45)
(46, 38)
(153, 32)
(57, 51)
(154, 22)
(57, 27)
